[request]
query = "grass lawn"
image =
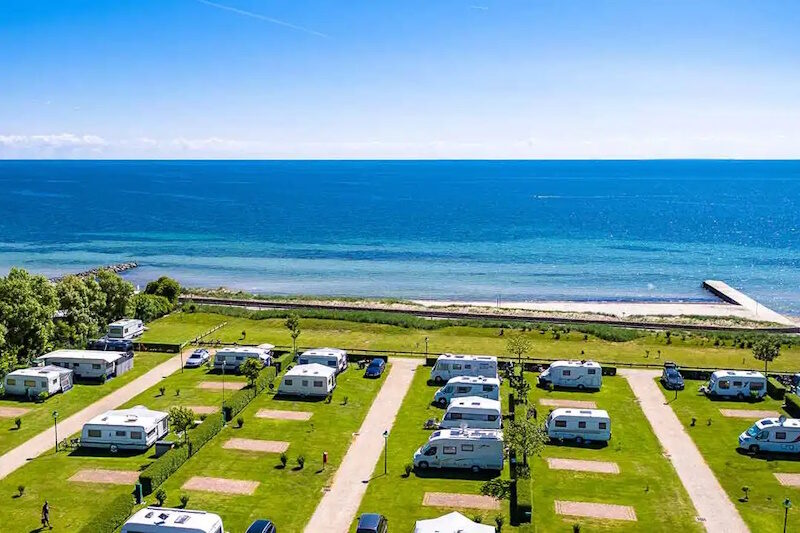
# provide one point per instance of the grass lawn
(693, 351)
(40, 417)
(734, 470)
(288, 496)
(646, 481)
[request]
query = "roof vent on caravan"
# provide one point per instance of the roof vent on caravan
(182, 519)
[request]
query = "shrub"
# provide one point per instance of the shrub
(499, 521)
(301, 461)
(792, 404)
(42, 396)
(18, 422)
(162, 390)
(161, 497)
(576, 528)
(344, 400)
(775, 389)
(409, 468)
(284, 459)
(477, 519)
(148, 307)
(184, 500)
(21, 490)
(164, 287)
(239, 422)
(111, 515)
(177, 392)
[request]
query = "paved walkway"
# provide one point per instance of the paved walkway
(705, 491)
(339, 506)
(44, 441)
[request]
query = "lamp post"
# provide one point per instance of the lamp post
(385, 449)
(55, 427)
(426, 346)
(787, 504)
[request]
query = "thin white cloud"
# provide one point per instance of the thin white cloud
(480, 8)
(59, 140)
(263, 17)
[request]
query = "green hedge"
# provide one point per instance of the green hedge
(111, 515)
(792, 404)
(775, 389)
(524, 485)
(239, 400)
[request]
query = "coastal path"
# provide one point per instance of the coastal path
(43, 442)
(338, 507)
(712, 504)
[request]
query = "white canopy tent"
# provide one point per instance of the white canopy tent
(451, 523)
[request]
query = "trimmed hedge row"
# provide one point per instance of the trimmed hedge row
(111, 515)
(524, 505)
(775, 389)
(239, 400)
(792, 404)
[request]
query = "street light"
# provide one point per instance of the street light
(55, 427)
(386, 449)
(787, 504)
(426, 346)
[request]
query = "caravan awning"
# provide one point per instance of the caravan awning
(451, 523)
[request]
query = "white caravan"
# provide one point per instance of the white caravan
(90, 364)
(136, 428)
(463, 386)
(163, 520)
(31, 382)
(476, 449)
(573, 374)
(127, 328)
(580, 425)
(738, 384)
(473, 412)
(308, 380)
(234, 357)
(332, 357)
(449, 366)
(772, 435)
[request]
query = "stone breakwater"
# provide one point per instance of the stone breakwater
(117, 268)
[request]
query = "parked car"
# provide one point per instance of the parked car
(372, 523)
(199, 357)
(671, 378)
(111, 345)
(375, 368)
(262, 526)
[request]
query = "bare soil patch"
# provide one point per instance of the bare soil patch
(277, 414)
(229, 385)
(257, 445)
(221, 485)
(748, 413)
(12, 412)
(461, 501)
(110, 477)
(582, 404)
(203, 409)
(788, 480)
(602, 467)
(596, 510)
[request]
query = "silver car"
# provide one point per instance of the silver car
(198, 358)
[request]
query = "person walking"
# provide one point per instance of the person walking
(46, 515)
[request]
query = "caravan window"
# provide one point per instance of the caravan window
(30, 383)
(317, 383)
(724, 384)
(467, 447)
(592, 371)
(463, 389)
(602, 425)
(149, 433)
(11, 381)
(449, 450)
(566, 372)
(456, 366)
(120, 433)
(44, 384)
(561, 423)
(305, 383)
(488, 388)
(95, 433)
(491, 418)
(96, 366)
(454, 416)
(780, 435)
(483, 365)
(468, 366)
(442, 366)
(582, 425)
(136, 435)
(288, 381)
(756, 385)
(737, 384)
(431, 451)
(75, 365)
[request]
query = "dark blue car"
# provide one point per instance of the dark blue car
(375, 368)
(262, 526)
(671, 377)
(371, 522)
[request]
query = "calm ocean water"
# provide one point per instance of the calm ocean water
(522, 230)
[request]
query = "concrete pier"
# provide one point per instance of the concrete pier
(728, 294)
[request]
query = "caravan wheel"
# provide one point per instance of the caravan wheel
(438, 380)
(740, 396)
(580, 387)
(442, 402)
(579, 440)
(754, 448)
(476, 469)
(423, 465)
(113, 448)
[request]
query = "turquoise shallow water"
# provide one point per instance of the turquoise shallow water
(521, 230)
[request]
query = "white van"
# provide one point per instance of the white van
(467, 386)
(473, 412)
(163, 520)
(476, 449)
(127, 328)
(449, 366)
(739, 384)
(772, 435)
(308, 380)
(136, 428)
(332, 357)
(580, 425)
(232, 358)
(573, 374)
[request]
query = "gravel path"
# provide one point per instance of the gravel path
(43, 442)
(339, 505)
(706, 493)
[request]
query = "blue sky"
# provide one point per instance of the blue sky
(405, 79)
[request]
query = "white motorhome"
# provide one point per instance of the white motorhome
(163, 520)
(308, 380)
(127, 328)
(473, 412)
(90, 364)
(580, 425)
(449, 366)
(573, 374)
(136, 428)
(476, 449)
(772, 435)
(739, 384)
(331, 357)
(463, 386)
(234, 357)
(33, 381)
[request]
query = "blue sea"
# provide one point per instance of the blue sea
(533, 230)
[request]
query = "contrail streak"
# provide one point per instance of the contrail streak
(262, 17)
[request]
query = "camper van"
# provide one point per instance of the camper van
(232, 358)
(476, 449)
(580, 425)
(467, 386)
(31, 382)
(739, 384)
(127, 328)
(163, 520)
(573, 374)
(308, 380)
(772, 435)
(449, 366)
(136, 428)
(331, 357)
(473, 412)
(90, 364)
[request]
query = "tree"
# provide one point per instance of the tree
(767, 350)
(6, 358)
(166, 287)
(118, 293)
(148, 307)
(497, 488)
(526, 436)
(518, 345)
(81, 303)
(293, 325)
(27, 306)
(181, 419)
(250, 369)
